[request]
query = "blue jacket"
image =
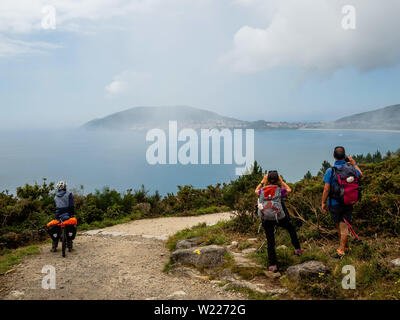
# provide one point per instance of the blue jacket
(64, 205)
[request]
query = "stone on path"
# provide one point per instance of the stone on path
(187, 243)
(395, 263)
(307, 268)
(208, 256)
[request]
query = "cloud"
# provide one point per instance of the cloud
(125, 82)
(12, 47)
(308, 34)
(22, 18)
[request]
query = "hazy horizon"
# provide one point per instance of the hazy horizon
(247, 59)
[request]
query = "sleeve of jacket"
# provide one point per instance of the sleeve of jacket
(71, 204)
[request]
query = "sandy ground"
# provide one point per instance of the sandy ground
(125, 262)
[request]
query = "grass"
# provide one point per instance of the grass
(375, 278)
(216, 234)
(10, 258)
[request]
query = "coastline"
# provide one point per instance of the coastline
(333, 129)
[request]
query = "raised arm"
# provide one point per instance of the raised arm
(283, 184)
(263, 182)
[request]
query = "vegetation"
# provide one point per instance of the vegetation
(376, 220)
(9, 258)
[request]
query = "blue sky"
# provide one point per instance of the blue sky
(250, 59)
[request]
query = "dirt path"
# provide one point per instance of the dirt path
(120, 262)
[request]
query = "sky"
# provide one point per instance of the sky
(65, 62)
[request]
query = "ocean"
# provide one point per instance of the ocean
(95, 159)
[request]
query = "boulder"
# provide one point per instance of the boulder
(208, 256)
(187, 243)
(305, 269)
(395, 263)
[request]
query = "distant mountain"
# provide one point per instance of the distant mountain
(145, 118)
(386, 118)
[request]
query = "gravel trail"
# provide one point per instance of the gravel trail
(121, 262)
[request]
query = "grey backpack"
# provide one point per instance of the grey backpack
(270, 203)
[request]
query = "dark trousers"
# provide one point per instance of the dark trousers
(269, 227)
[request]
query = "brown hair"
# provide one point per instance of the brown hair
(273, 177)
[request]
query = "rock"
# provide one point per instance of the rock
(282, 247)
(15, 294)
(272, 275)
(208, 256)
(189, 273)
(233, 244)
(178, 293)
(187, 243)
(395, 263)
(244, 285)
(274, 292)
(305, 269)
(226, 275)
(249, 250)
(92, 232)
(243, 262)
(252, 239)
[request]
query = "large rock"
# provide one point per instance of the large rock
(208, 256)
(395, 263)
(305, 269)
(187, 243)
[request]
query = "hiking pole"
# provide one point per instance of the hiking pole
(261, 246)
(353, 233)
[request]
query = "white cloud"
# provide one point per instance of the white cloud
(24, 17)
(12, 47)
(308, 34)
(125, 82)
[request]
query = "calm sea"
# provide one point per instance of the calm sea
(118, 160)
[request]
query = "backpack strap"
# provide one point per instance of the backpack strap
(333, 171)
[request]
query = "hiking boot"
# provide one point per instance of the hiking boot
(298, 252)
(338, 254)
(273, 269)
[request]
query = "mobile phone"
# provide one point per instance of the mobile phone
(347, 159)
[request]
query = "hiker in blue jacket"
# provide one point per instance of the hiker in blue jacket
(340, 212)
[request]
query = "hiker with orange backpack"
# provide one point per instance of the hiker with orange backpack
(272, 212)
(341, 192)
